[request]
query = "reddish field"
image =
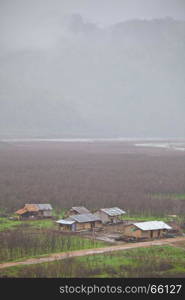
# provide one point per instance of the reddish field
(99, 174)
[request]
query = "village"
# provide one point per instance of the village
(106, 224)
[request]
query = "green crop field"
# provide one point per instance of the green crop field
(7, 224)
(166, 196)
(156, 261)
(35, 239)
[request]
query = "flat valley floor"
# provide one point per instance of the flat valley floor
(94, 174)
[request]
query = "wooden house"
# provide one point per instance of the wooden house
(77, 210)
(149, 229)
(110, 215)
(80, 222)
(35, 211)
(66, 224)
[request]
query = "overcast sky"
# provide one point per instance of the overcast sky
(61, 74)
(25, 23)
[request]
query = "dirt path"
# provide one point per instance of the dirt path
(64, 255)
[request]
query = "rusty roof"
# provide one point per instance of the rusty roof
(21, 211)
(80, 209)
(33, 208)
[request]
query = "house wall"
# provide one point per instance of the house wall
(88, 225)
(69, 227)
(146, 234)
(152, 234)
(103, 216)
(63, 227)
(98, 224)
(132, 231)
(106, 218)
(29, 215)
(79, 226)
(47, 213)
(72, 212)
(37, 214)
(114, 219)
(83, 226)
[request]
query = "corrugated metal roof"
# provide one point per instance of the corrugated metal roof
(83, 218)
(152, 225)
(44, 206)
(37, 207)
(113, 211)
(65, 222)
(33, 208)
(81, 209)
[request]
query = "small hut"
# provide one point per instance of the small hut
(78, 210)
(149, 229)
(110, 215)
(30, 211)
(66, 224)
(80, 222)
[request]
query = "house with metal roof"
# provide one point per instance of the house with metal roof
(66, 224)
(78, 210)
(148, 229)
(110, 215)
(35, 211)
(80, 222)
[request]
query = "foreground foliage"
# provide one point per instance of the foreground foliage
(156, 261)
(30, 242)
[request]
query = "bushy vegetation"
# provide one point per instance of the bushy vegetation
(167, 196)
(156, 261)
(5, 224)
(29, 242)
(180, 219)
(8, 224)
(148, 184)
(141, 181)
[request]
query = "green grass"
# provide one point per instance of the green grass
(59, 213)
(173, 196)
(41, 224)
(28, 242)
(142, 218)
(7, 224)
(156, 261)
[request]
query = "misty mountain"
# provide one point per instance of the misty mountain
(127, 79)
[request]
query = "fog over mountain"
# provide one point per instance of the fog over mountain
(123, 79)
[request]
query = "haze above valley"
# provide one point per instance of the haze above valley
(92, 70)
